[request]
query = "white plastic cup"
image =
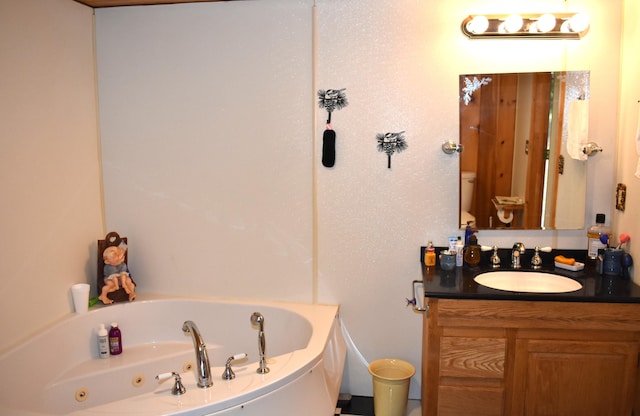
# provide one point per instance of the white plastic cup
(80, 294)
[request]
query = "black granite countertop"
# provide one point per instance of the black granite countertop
(459, 283)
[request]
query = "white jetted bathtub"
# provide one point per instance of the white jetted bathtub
(58, 372)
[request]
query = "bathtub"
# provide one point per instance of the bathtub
(58, 371)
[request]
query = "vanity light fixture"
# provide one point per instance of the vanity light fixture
(532, 26)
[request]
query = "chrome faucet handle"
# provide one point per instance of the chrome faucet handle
(495, 259)
(228, 373)
(536, 260)
(178, 387)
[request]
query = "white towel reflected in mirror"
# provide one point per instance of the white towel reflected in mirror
(577, 128)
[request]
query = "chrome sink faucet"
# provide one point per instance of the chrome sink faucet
(204, 369)
(517, 251)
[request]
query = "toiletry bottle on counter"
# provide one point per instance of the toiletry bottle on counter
(459, 252)
(467, 233)
(115, 339)
(593, 236)
(430, 255)
(452, 243)
(472, 251)
(103, 342)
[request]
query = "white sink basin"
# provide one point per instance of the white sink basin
(529, 282)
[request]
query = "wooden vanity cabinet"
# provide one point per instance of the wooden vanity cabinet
(494, 357)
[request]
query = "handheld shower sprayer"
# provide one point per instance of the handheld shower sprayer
(258, 320)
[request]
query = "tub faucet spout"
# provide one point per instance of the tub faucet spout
(204, 369)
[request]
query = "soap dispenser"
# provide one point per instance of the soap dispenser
(468, 231)
(472, 252)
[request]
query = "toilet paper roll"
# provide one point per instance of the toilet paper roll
(505, 219)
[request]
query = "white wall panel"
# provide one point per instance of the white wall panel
(205, 121)
(49, 164)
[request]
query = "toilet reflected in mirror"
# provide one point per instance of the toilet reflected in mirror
(467, 181)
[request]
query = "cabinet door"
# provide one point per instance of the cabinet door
(574, 378)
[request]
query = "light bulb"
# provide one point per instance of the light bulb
(512, 24)
(545, 23)
(579, 22)
(478, 25)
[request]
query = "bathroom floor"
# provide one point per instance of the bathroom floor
(363, 406)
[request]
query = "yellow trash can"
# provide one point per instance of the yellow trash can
(391, 380)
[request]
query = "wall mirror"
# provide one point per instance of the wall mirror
(515, 170)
